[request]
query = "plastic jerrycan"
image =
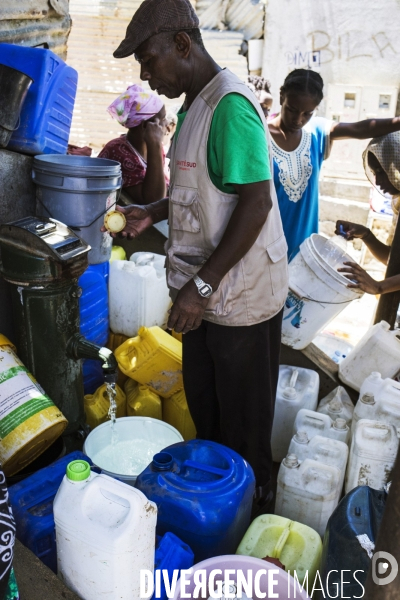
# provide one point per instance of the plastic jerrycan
(105, 534)
(359, 513)
(338, 405)
(153, 358)
(307, 492)
(379, 400)
(97, 405)
(373, 452)
(378, 350)
(322, 449)
(315, 423)
(141, 401)
(139, 295)
(192, 482)
(29, 420)
(171, 555)
(297, 388)
(297, 546)
(176, 413)
(31, 501)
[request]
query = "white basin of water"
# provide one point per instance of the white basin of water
(126, 454)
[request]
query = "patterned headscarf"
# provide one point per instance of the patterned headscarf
(134, 106)
(387, 150)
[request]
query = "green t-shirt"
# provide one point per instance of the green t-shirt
(237, 150)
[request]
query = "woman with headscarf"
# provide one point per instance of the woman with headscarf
(140, 150)
(382, 167)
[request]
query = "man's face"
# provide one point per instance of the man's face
(161, 65)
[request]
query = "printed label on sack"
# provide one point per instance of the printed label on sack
(20, 399)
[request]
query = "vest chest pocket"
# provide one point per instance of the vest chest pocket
(184, 205)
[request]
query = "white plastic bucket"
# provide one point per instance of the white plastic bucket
(317, 292)
(151, 435)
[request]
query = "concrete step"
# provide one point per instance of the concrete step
(334, 208)
(352, 189)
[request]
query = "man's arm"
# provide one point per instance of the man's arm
(363, 130)
(140, 218)
(242, 231)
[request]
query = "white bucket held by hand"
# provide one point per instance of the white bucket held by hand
(317, 291)
(297, 388)
(378, 350)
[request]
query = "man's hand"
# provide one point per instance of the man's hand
(138, 219)
(188, 309)
(153, 133)
(352, 230)
(360, 279)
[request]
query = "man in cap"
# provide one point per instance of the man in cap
(226, 252)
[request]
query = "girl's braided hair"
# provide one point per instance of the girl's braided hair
(304, 81)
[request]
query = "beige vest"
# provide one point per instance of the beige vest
(255, 289)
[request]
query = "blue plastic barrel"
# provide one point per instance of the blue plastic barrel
(171, 555)
(204, 494)
(32, 504)
(46, 115)
(94, 319)
(359, 512)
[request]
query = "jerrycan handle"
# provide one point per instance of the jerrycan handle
(293, 379)
(207, 468)
(277, 551)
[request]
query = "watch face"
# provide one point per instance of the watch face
(205, 290)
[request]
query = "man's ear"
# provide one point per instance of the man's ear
(183, 43)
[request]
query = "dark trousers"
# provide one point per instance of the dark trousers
(230, 376)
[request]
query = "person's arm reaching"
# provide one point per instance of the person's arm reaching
(360, 279)
(362, 130)
(244, 226)
(353, 230)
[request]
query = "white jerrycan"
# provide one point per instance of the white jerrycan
(105, 532)
(322, 449)
(338, 405)
(307, 492)
(315, 423)
(138, 293)
(379, 401)
(378, 350)
(297, 388)
(372, 454)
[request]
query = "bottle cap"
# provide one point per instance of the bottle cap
(289, 393)
(335, 405)
(78, 470)
(340, 424)
(301, 437)
(368, 398)
(114, 221)
(291, 461)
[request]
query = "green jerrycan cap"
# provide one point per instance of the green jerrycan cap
(78, 470)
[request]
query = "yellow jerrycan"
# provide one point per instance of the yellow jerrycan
(297, 546)
(97, 405)
(141, 401)
(176, 413)
(29, 421)
(153, 358)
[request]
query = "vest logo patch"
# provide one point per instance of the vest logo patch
(184, 165)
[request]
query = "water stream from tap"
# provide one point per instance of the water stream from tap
(112, 411)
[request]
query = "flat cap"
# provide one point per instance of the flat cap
(156, 16)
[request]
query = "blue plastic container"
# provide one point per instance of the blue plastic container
(204, 494)
(94, 319)
(46, 115)
(32, 504)
(359, 512)
(171, 555)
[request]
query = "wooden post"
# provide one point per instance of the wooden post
(389, 303)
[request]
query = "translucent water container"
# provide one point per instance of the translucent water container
(94, 320)
(97, 405)
(338, 405)
(139, 295)
(32, 503)
(297, 388)
(322, 449)
(153, 358)
(313, 423)
(297, 546)
(191, 483)
(105, 534)
(373, 452)
(307, 492)
(378, 350)
(46, 115)
(141, 401)
(379, 401)
(176, 413)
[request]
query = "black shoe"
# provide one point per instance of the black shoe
(262, 506)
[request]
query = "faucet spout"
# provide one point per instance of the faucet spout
(79, 347)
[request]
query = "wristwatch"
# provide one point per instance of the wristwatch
(204, 289)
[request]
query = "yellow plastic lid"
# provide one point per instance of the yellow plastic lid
(114, 221)
(4, 341)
